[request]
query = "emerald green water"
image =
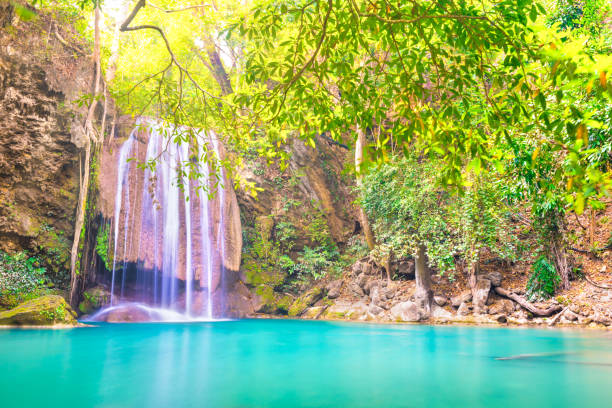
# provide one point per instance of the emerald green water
(276, 363)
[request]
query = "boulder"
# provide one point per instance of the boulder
(570, 316)
(440, 300)
(390, 292)
(405, 312)
(43, 311)
(601, 318)
(502, 306)
(374, 309)
(335, 284)
(481, 294)
(356, 289)
(464, 309)
(362, 280)
(376, 297)
(333, 288)
(502, 318)
(367, 288)
(406, 268)
(313, 312)
(441, 314)
(307, 299)
(357, 268)
(465, 296)
(94, 299)
(495, 278)
(128, 314)
(357, 311)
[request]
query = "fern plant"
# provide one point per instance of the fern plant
(543, 281)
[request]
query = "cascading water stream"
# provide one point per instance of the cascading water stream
(123, 167)
(221, 193)
(169, 274)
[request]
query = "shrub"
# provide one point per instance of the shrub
(544, 280)
(102, 248)
(315, 263)
(21, 278)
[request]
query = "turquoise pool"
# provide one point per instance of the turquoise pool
(285, 363)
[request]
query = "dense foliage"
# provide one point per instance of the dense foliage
(543, 281)
(21, 278)
(411, 209)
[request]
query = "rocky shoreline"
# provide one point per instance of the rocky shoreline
(363, 294)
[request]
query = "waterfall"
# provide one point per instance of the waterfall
(123, 167)
(169, 274)
(206, 250)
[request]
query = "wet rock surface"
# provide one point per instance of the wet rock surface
(46, 310)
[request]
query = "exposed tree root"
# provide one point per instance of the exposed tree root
(526, 305)
(597, 285)
(557, 317)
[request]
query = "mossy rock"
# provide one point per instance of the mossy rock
(43, 311)
(272, 302)
(306, 300)
(94, 299)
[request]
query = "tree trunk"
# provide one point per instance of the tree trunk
(216, 66)
(561, 263)
(365, 223)
(424, 294)
(81, 206)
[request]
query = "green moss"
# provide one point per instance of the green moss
(273, 302)
(54, 247)
(94, 299)
(102, 247)
(298, 307)
(45, 310)
(306, 300)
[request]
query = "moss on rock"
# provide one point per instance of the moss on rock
(43, 311)
(306, 300)
(94, 299)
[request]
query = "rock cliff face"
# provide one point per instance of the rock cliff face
(305, 205)
(39, 139)
(160, 231)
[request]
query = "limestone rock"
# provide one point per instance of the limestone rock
(390, 292)
(357, 311)
(570, 316)
(307, 299)
(368, 286)
(481, 294)
(356, 289)
(440, 300)
(333, 288)
(128, 314)
(405, 312)
(313, 312)
(440, 314)
(374, 309)
(502, 318)
(94, 299)
(465, 296)
(464, 309)
(495, 278)
(43, 311)
(362, 280)
(502, 306)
